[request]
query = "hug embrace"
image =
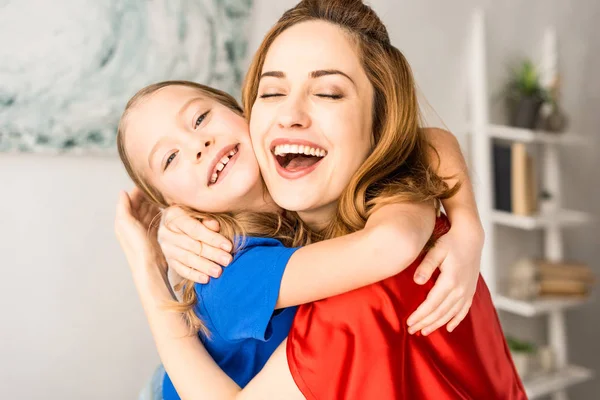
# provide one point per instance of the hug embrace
(321, 198)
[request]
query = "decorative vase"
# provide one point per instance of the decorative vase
(553, 121)
(524, 110)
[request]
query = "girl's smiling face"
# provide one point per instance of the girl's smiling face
(194, 150)
(312, 120)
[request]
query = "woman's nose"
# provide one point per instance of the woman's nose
(293, 114)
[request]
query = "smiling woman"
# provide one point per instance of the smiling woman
(327, 108)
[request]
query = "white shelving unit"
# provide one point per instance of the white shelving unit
(544, 220)
(550, 220)
(536, 307)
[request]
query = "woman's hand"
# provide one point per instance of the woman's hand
(133, 228)
(192, 248)
(458, 255)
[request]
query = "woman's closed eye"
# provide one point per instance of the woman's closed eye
(270, 95)
(329, 96)
(322, 95)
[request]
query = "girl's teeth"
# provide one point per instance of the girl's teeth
(220, 167)
(224, 160)
(312, 152)
(213, 178)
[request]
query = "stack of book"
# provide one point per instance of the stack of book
(515, 179)
(530, 279)
(564, 279)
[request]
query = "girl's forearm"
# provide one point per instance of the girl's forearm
(461, 208)
(392, 239)
(192, 370)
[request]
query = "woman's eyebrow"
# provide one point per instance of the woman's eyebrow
(274, 74)
(325, 72)
(313, 75)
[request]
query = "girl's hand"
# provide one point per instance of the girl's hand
(133, 227)
(458, 255)
(192, 248)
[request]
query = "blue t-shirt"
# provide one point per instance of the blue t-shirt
(238, 311)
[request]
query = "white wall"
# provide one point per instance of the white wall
(72, 327)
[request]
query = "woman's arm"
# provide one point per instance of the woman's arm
(191, 368)
(392, 239)
(193, 372)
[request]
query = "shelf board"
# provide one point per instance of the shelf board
(533, 136)
(562, 218)
(546, 384)
(536, 307)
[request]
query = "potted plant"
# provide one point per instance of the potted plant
(523, 355)
(524, 96)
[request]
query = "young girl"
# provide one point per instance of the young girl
(328, 74)
(213, 168)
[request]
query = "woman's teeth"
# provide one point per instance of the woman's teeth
(221, 164)
(284, 149)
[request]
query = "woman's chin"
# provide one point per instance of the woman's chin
(301, 202)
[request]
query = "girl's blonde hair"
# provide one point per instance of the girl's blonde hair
(234, 226)
(398, 169)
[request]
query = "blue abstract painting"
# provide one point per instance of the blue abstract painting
(68, 67)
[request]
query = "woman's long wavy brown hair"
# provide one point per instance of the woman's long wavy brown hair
(234, 226)
(398, 169)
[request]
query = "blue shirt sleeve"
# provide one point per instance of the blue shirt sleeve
(240, 303)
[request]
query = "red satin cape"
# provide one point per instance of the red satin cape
(357, 346)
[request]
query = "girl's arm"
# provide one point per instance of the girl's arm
(458, 253)
(392, 239)
(460, 208)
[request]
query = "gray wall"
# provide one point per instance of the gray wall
(72, 326)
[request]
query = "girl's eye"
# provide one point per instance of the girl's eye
(269, 95)
(169, 161)
(200, 119)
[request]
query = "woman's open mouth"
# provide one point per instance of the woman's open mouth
(295, 160)
(223, 164)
